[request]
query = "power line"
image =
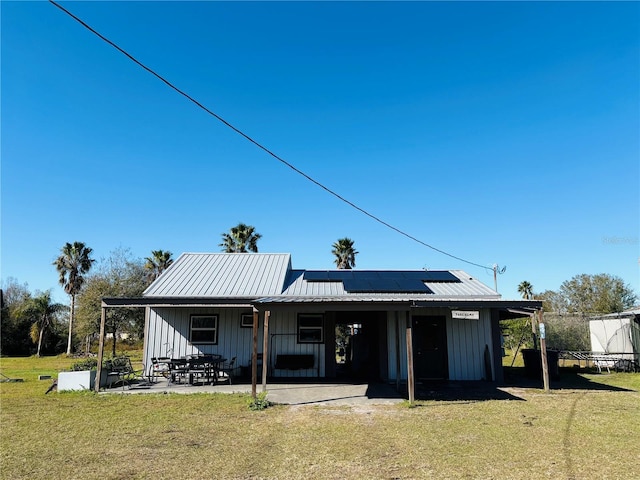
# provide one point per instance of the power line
(260, 146)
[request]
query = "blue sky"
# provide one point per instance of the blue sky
(499, 132)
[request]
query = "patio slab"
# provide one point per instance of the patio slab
(284, 393)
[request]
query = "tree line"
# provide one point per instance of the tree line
(32, 323)
(567, 310)
(584, 295)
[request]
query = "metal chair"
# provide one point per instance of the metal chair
(226, 371)
(178, 370)
(159, 368)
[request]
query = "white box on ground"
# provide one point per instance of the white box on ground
(80, 380)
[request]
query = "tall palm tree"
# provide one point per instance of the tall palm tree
(526, 290)
(240, 239)
(345, 254)
(41, 312)
(72, 264)
(157, 263)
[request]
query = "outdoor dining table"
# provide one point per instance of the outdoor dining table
(195, 368)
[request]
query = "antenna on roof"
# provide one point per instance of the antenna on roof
(497, 270)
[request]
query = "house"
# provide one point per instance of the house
(617, 334)
(374, 325)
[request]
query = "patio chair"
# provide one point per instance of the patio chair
(227, 371)
(159, 368)
(200, 369)
(178, 370)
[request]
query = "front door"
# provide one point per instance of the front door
(430, 347)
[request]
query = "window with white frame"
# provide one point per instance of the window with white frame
(246, 320)
(204, 329)
(310, 328)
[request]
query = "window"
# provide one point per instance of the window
(310, 328)
(246, 320)
(204, 329)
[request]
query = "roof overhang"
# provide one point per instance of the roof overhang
(132, 302)
(508, 308)
(511, 308)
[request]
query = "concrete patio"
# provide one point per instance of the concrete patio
(300, 393)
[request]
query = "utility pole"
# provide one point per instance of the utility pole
(497, 270)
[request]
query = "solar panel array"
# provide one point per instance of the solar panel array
(369, 281)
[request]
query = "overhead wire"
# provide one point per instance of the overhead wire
(259, 145)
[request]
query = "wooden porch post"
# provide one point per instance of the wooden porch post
(410, 377)
(543, 352)
(254, 356)
(398, 364)
(103, 317)
(265, 349)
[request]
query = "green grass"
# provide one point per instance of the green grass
(568, 434)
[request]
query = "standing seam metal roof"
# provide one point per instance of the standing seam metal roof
(260, 275)
(223, 275)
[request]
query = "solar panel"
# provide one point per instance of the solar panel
(327, 275)
(316, 276)
(341, 275)
(385, 285)
(382, 281)
(438, 276)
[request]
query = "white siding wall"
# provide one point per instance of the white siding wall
(466, 341)
(283, 336)
(169, 329)
(168, 335)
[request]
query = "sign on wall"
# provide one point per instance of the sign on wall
(465, 315)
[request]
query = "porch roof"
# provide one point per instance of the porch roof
(510, 308)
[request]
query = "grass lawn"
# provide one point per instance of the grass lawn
(567, 434)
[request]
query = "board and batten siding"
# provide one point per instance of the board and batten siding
(466, 341)
(283, 340)
(168, 334)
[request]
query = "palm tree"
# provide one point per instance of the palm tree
(74, 261)
(157, 263)
(42, 313)
(526, 290)
(345, 254)
(240, 239)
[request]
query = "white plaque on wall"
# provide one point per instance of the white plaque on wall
(465, 315)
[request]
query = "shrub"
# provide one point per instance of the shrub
(260, 402)
(567, 332)
(87, 364)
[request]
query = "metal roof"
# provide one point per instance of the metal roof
(269, 278)
(227, 275)
(467, 287)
